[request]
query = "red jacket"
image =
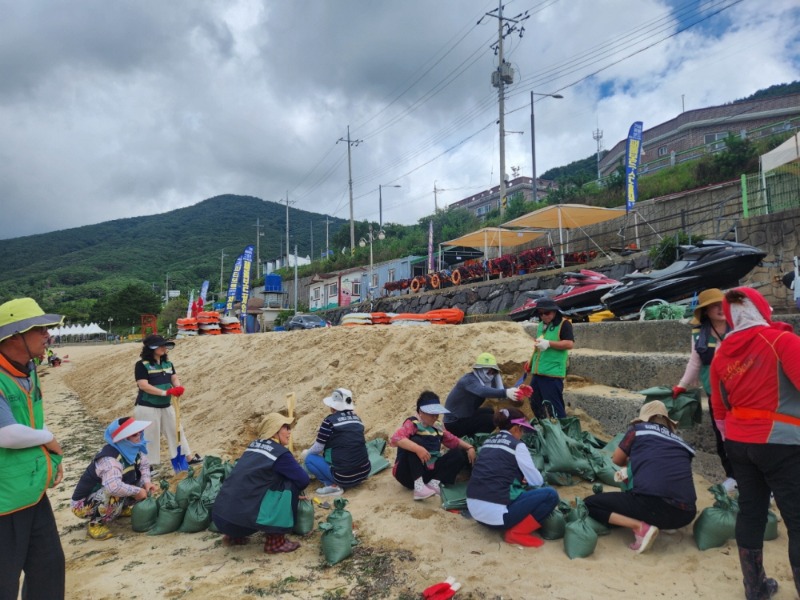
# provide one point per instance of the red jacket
(755, 384)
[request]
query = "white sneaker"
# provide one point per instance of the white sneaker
(434, 485)
(730, 485)
(329, 490)
(422, 491)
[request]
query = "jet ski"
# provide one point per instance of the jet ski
(577, 291)
(708, 264)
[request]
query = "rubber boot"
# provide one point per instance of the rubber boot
(521, 533)
(756, 584)
(796, 574)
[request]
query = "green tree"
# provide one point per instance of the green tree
(174, 310)
(126, 306)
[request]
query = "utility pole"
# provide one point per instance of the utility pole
(504, 74)
(435, 200)
(287, 226)
(327, 243)
(311, 227)
(350, 143)
(166, 290)
(258, 248)
(597, 134)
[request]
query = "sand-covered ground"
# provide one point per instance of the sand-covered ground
(405, 546)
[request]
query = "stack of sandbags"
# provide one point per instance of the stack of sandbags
(409, 319)
(230, 325)
(208, 322)
(356, 318)
(381, 318)
(445, 316)
(187, 327)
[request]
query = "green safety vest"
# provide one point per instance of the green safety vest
(25, 473)
(155, 368)
(552, 362)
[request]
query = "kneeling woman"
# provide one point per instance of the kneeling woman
(117, 477)
(496, 495)
(662, 493)
(262, 491)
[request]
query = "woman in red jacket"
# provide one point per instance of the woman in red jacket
(755, 383)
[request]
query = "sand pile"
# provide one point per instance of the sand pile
(232, 381)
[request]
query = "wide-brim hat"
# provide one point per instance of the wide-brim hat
(126, 427)
(156, 341)
(340, 399)
(271, 425)
(547, 304)
(652, 409)
(706, 298)
(23, 314)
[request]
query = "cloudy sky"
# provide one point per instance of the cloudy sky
(127, 108)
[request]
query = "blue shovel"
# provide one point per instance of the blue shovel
(179, 461)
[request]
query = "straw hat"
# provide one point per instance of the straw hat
(706, 298)
(271, 425)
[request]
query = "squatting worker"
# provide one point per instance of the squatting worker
(548, 363)
(158, 383)
(465, 415)
(30, 460)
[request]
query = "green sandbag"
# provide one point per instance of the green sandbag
(337, 533)
(562, 479)
(554, 526)
(377, 461)
(337, 542)
(716, 524)
(580, 539)
(304, 522)
(685, 409)
(771, 531)
(563, 454)
(211, 465)
(454, 495)
(170, 514)
(144, 514)
(198, 513)
(596, 525)
(186, 487)
(603, 468)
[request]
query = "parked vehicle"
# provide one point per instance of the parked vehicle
(708, 264)
(306, 322)
(578, 291)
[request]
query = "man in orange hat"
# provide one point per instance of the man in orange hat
(30, 457)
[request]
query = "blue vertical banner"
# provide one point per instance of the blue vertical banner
(247, 261)
(633, 153)
(233, 286)
(430, 247)
(204, 291)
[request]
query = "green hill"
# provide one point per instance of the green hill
(71, 269)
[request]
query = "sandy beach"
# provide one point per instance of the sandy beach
(405, 546)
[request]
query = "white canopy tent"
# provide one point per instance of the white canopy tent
(74, 332)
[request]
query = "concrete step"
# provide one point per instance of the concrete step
(627, 370)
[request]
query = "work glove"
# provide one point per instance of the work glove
(621, 475)
(525, 391)
(176, 391)
(677, 391)
(514, 394)
(542, 344)
(527, 366)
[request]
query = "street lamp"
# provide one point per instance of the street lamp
(380, 204)
(362, 242)
(110, 323)
(533, 139)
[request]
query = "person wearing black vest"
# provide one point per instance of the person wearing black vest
(420, 464)
(117, 478)
(662, 490)
(158, 383)
(709, 328)
(339, 458)
(496, 493)
(262, 491)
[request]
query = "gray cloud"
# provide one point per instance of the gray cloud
(110, 110)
